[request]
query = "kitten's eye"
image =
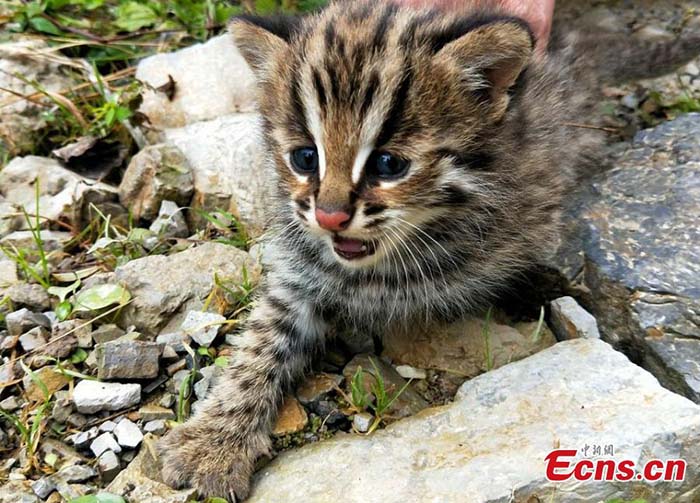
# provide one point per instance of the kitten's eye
(305, 160)
(386, 166)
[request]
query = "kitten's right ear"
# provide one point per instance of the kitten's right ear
(260, 39)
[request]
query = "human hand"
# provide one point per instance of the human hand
(538, 13)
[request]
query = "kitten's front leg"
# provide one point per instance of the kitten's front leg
(215, 451)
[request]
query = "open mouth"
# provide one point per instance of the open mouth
(353, 249)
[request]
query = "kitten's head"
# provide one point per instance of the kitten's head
(381, 119)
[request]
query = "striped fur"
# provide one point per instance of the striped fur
(486, 128)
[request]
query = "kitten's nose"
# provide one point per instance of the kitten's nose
(333, 221)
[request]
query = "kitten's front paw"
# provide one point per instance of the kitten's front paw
(205, 459)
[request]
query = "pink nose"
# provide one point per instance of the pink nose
(335, 221)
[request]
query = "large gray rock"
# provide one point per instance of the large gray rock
(636, 249)
(93, 396)
(20, 119)
(62, 193)
(210, 80)
(229, 169)
(490, 445)
(163, 286)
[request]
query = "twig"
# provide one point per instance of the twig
(591, 126)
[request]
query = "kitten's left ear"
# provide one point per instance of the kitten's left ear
(260, 39)
(494, 54)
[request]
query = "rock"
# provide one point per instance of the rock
(202, 327)
(43, 487)
(408, 372)
(128, 434)
(8, 269)
(76, 420)
(167, 400)
(229, 168)
(103, 443)
(62, 407)
(20, 119)
(163, 286)
(24, 240)
(291, 418)
(210, 80)
(637, 244)
(61, 346)
(82, 439)
(175, 340)
(157, 427)
(106, 333)
(170, 222)
(63, 195)
(406, 404)
(152, 412)
(461, 348)
(568, 396)
(317, 387)
(362, 422)
(157, 173)
(76, 473)
(29, 295)
(19, 322)
(142, 479)
(93, 396)
(124, 359)
(10, 404)
(35, 338)
(108, 426)
(108, 464)
(571, 321)
(52, 379)
(17, 492)
(80, 331)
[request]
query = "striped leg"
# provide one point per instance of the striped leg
(215, 450)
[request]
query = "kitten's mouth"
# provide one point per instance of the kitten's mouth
(353, 249)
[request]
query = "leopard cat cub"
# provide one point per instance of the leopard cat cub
(423, 159)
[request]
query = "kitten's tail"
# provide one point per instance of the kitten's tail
(616, 59)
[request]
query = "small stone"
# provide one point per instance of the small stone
(169, 353)
(108, 464)
(328, 411)
(108, 426)
(29, 295)
(175, 340)
(362, 422)
(81, 440)
(292, 418)
(52, 379)
(43, 487)
(128, 434)
(170, 222)
(93, 396)
(175, 383)
(156, 174)
(8, 269)
(317, 387)
(61, 346)
(571, 321)
(10, 404)
(157, 427)
(178, 366)
(202, 327)
(19, 322)
(408, 372)
(76, 420)
(76, 473)
(106, 333)
(62, 407)
(104, 442)
(630, 101)
(79, 330)
(35, 338)
(167, 400)
(124, 359)
(152, 412)
(9, 342)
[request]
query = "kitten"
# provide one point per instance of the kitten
(423, 160)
